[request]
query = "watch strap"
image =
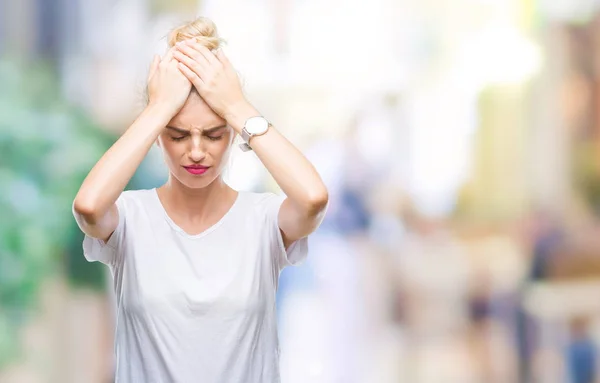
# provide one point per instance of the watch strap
(246, 136)
(245, 147)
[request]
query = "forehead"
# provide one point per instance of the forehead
(196, 113)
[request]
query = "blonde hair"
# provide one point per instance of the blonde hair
(202, 29)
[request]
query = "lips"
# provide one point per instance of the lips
(196, 169)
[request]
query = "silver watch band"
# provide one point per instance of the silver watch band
(245, 147)
(246, 136)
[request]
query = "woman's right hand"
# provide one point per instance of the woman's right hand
(168, 88)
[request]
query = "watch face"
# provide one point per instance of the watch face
(257, 125)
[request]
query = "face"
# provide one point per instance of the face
(196, 144)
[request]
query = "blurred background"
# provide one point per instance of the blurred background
(459, 140)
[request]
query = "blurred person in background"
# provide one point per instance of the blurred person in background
(196, 263)
(433, 266)
(581, 353)
(544, 235)
(329, 290)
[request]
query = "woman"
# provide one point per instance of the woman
(196, 263)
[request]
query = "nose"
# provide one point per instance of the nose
(197, 151)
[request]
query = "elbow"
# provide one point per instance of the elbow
(318, 201)
(82, 207)
(85, 209)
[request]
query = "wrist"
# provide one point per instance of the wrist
(237, 115)
(159, 114)
(159, 111)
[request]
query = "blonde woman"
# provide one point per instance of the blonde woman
(196, 263)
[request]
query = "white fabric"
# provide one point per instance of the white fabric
(196, 308)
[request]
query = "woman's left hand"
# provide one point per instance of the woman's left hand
(212, 74)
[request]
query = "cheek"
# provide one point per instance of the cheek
(169, 148)
(221, 149)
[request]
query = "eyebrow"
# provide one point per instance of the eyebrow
(215, 129)
(205, 131)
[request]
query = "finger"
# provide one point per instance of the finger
(223, 59)
(190, 74)
(169, 56)
(153, 66)
(205, 52)
(194, 54)
(189, 62)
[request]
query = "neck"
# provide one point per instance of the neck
(196, 204)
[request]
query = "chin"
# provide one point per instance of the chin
(196, 182)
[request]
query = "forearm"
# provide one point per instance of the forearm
(292, 171)
(112, 172)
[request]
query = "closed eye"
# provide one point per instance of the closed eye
(214, 138)
(180, 138)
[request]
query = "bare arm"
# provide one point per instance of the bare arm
(307, 197)
(216, 80)
(94, 205)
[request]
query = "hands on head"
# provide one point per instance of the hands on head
(187, 64)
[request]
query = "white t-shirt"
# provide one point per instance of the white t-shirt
(196, 308)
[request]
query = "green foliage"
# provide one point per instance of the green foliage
(47, 148)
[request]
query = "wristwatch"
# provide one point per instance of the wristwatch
(254, 126)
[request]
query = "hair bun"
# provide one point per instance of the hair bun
(203, 29)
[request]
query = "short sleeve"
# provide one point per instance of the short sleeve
(97, 250)
(298, 251)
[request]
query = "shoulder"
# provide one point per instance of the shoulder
(262, 205)
(136, 194)
(132, 199)
(264, 200)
